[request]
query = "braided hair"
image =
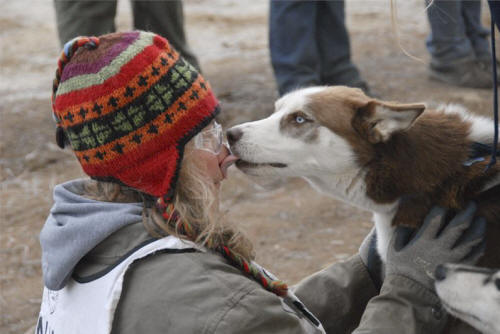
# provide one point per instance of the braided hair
(191, 216)
(186, 230)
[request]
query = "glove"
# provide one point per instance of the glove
(459, 241)
(369, 255)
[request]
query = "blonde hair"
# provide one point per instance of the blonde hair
(196, 201)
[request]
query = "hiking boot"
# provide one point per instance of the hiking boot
(485, 63)
(467, 72)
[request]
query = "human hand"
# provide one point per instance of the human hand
(416, 253)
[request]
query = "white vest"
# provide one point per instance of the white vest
(89, 307)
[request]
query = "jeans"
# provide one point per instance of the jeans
(309, 45)
(456, 31)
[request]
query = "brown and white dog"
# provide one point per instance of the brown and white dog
(389, 158)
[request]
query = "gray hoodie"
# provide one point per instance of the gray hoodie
(75, 226)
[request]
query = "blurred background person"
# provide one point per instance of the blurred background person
(310, 46)
(458, 44)
(94, 18)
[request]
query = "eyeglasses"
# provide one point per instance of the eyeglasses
(210, 140)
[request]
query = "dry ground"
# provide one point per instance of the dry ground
(296, 231)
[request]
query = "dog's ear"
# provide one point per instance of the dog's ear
(378, 120)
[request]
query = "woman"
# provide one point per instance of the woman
(143, 247)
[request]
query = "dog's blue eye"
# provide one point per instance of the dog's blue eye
(300, 119)
(497, 283)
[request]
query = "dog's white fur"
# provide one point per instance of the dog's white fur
(472, 295)
(328, 163)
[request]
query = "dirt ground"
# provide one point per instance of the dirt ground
(296, 231)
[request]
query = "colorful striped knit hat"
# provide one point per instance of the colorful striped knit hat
(128, 103)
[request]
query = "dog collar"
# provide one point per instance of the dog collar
(478, 153)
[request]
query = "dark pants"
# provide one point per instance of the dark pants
(309, 45)
(456, 31)
(94, 18)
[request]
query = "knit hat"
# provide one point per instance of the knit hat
(128, 103)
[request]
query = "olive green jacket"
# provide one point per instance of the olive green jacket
(197, 292)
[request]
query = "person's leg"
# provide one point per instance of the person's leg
(453, 59)
(447, 40)
(165, 18)
(475, 31)
(292, 42)
(84, 18)
(334, 46)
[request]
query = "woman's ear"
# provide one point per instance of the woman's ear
(380, 120)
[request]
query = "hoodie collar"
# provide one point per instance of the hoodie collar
(75, 226)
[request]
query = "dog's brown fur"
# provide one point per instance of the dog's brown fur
(422, 166)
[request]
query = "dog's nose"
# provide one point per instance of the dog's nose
(233, 135)
(440, 273)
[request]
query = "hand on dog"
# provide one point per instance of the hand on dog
(416, 253)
